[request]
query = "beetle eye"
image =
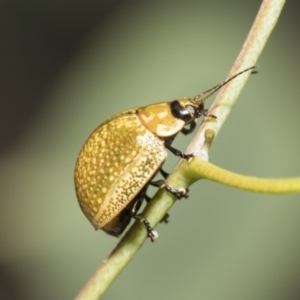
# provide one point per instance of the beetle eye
(187, 113)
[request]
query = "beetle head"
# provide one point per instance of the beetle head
(188, 109)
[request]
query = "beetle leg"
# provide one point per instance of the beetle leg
(147, 198)
(163, 173)
(178, 193)
(175, 151)
(165, 219)
(151, 233)
(186, 131)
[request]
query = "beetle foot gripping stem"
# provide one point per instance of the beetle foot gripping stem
(178, 193)
(151, 233)
(165, 219)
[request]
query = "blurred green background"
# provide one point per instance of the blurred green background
(65, 67)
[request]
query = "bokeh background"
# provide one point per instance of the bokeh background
(65, 67)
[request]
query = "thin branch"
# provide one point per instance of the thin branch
(160, 204)
(203, 169)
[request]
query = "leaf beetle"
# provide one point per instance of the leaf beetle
(122, 156)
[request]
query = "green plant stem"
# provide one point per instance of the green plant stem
(160, 204)
(204, 169)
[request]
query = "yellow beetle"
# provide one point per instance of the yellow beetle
(120, 158)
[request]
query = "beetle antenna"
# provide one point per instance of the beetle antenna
(218, 86)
